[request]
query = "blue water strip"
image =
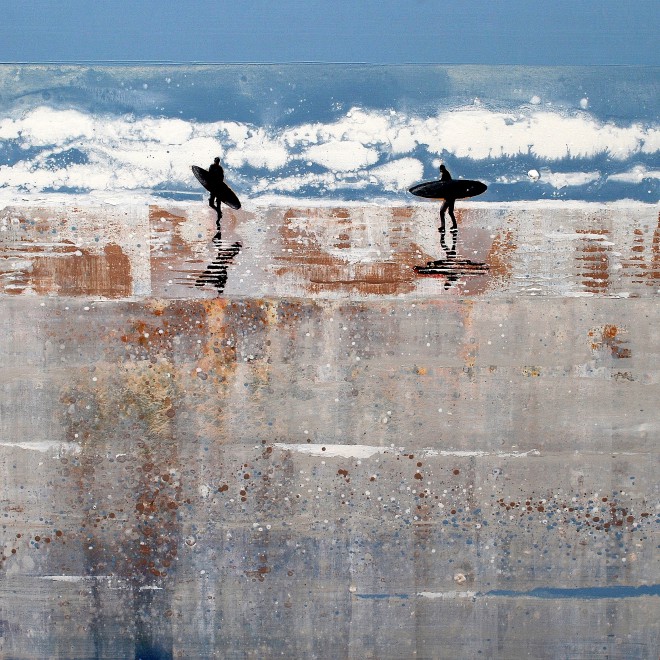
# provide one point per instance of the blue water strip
(580, 593)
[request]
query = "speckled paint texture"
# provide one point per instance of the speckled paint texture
(319, 453)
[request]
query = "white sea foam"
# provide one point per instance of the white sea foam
(74, 149)
(555, 179)
(563, 179)
(341, 156)
(398, 174)
(635, 175)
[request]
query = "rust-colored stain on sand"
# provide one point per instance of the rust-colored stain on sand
(71, 271)
(635, 266)
(168, 247)
(499, 256)
(654, 271)
(315, 257)
(594, 261)
(609, 338)
(642, 270)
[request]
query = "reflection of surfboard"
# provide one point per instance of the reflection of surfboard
(223, 191)
(452, 267)
(456, 189)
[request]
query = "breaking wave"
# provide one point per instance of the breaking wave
(363, 154)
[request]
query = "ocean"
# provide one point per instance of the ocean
(329, 132)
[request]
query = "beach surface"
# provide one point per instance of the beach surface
(285, 441)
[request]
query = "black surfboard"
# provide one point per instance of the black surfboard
(224, 193)
(455, 189)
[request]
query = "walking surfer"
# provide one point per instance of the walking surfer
(448, 204)
(216, 177)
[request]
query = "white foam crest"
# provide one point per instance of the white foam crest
(341, 156)
(357, 126)
(293, 183)
(45, 126)
(258, 149)
(480, 133)
(398, 174)
(635, 175)
(554, 179)
(564, 179)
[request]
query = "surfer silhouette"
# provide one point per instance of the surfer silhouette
(220, 193)
(448, 204)
(216, 177)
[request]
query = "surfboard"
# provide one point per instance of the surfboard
(452, 267)
(223, 191)
(455, 189)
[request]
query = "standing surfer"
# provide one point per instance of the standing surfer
(216, 177)
(220, 193)
(448, 204)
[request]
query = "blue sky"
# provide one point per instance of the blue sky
(373, 31)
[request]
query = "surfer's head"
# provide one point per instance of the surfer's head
(216, 160)
(443, 168)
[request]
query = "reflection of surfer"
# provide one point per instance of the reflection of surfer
(448, 204)
(452, 267)
(216, 177)
(216, 272)
(451, 253)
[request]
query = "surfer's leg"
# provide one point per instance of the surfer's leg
(450, 205)
(212, 200)
(443, 208)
